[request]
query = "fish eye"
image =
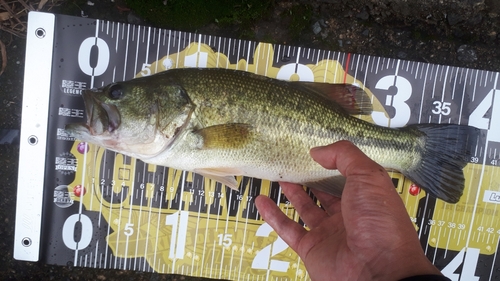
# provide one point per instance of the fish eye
(115, 92)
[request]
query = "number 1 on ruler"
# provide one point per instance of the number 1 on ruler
(179, 233)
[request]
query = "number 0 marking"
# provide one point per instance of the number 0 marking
(68, 232)
(102, 56)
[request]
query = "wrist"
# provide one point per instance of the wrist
(426, 278)
(404, 266)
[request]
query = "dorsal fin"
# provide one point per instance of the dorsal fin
(351, 98)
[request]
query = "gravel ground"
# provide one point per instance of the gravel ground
(463, 33)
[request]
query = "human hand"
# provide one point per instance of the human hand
(366, 235)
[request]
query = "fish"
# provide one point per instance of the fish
(223, 123)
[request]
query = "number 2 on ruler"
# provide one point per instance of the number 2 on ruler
(263, 258)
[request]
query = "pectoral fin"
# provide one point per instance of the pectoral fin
(225, 136)
(333, 185)
(222, 175)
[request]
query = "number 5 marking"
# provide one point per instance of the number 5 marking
(398, 101)
(128, 230)
(263, 258)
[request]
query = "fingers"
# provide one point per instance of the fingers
(310, 212)
(290, 231)
(367, 182)
(345, 157)
(330, 203)
(353, 164)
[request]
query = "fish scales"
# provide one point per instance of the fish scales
(288, 121)
(222, 123)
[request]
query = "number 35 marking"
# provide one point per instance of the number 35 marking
(442, 108)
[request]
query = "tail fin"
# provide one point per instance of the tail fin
(446, 151)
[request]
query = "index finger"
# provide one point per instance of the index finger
(345, 157)
(361, 171)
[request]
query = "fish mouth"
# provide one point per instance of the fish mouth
(101, 117)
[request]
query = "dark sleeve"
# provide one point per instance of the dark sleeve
(426, 278)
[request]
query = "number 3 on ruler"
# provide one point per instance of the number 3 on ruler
(397, 101)
(263, 258)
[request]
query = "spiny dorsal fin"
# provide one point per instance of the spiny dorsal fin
(227, 136)
(351, 98)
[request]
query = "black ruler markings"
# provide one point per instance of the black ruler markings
(362, 68)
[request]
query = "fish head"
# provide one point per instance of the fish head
(139, 118)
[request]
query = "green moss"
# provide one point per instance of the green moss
(73, 7)
(192, 14)
(300, 18)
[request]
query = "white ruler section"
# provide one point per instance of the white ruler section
(37, 78)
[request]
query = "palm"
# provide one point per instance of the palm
(360, 237)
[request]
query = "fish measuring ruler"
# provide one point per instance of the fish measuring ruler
(101, 209)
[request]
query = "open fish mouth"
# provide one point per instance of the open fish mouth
(101, 117)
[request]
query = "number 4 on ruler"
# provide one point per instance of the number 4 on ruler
(477, 119)
(469, 266)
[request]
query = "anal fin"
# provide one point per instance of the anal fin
(332, 185)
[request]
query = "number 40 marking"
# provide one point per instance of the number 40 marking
(469, 266)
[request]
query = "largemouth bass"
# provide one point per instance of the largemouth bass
(221, 123)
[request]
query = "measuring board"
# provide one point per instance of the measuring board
(80, 204)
